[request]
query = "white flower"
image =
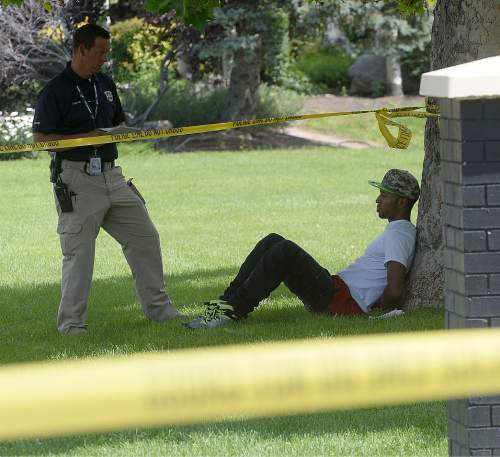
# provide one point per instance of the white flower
(16, 127)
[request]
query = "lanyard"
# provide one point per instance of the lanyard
(93, 115)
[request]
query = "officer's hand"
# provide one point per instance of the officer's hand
(96, 132)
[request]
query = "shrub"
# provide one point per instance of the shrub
(135, 47)
(15, 97)
(298, 82)
(15, 128)
(138, 93)
(183, 106)
(326, 67)
(276, 101)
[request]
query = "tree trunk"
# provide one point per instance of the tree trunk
(393, 67)
(463, 31)
(244, 82)
(393, 72)
(247, 61)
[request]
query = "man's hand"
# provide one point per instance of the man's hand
(38, 136)
(393, 294)
(96, 132)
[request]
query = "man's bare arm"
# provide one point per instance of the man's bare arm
(38, 137)
(394, 292)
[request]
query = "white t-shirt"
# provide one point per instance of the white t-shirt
(367, 276)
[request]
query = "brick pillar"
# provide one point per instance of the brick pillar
(470, 153)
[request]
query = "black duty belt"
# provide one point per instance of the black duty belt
(84, 165)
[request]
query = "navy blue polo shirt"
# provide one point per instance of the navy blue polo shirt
(60, 109)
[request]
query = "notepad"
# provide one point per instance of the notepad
(119, 130)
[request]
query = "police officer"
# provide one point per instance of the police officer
(91, 191)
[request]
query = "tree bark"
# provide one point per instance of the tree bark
(463, 31)
(393, 67)
(243, 85)
(247, 61)
(393, 72)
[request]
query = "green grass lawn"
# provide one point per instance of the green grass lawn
(210, 209)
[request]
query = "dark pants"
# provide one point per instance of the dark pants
(275, 260)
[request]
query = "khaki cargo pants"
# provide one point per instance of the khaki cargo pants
(107, 201)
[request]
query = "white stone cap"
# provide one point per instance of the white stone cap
(477, 79)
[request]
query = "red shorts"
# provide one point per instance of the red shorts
(342, 301)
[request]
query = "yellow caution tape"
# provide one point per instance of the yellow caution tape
(207, 384)
(383, 115)
(404, 133)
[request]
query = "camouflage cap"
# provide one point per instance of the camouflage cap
(400, 182)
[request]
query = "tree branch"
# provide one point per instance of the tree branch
(163, 86)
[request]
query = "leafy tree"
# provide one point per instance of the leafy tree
(121, 10)
(246, 41)
(137, 46)
(34, 46)
(77, 11)
(199, 14)
(192, 12)
(168, 32)
(35, 43)
(381, 28)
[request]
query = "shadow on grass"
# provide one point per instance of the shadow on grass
(117, 326)
(115, 317)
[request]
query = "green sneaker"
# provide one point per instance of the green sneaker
(217, 313)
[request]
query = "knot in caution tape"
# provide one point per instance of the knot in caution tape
(402, 140)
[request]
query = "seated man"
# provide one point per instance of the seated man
(377, 278)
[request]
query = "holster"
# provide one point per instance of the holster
(55, 167)
(63, 196)
(61, 190)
